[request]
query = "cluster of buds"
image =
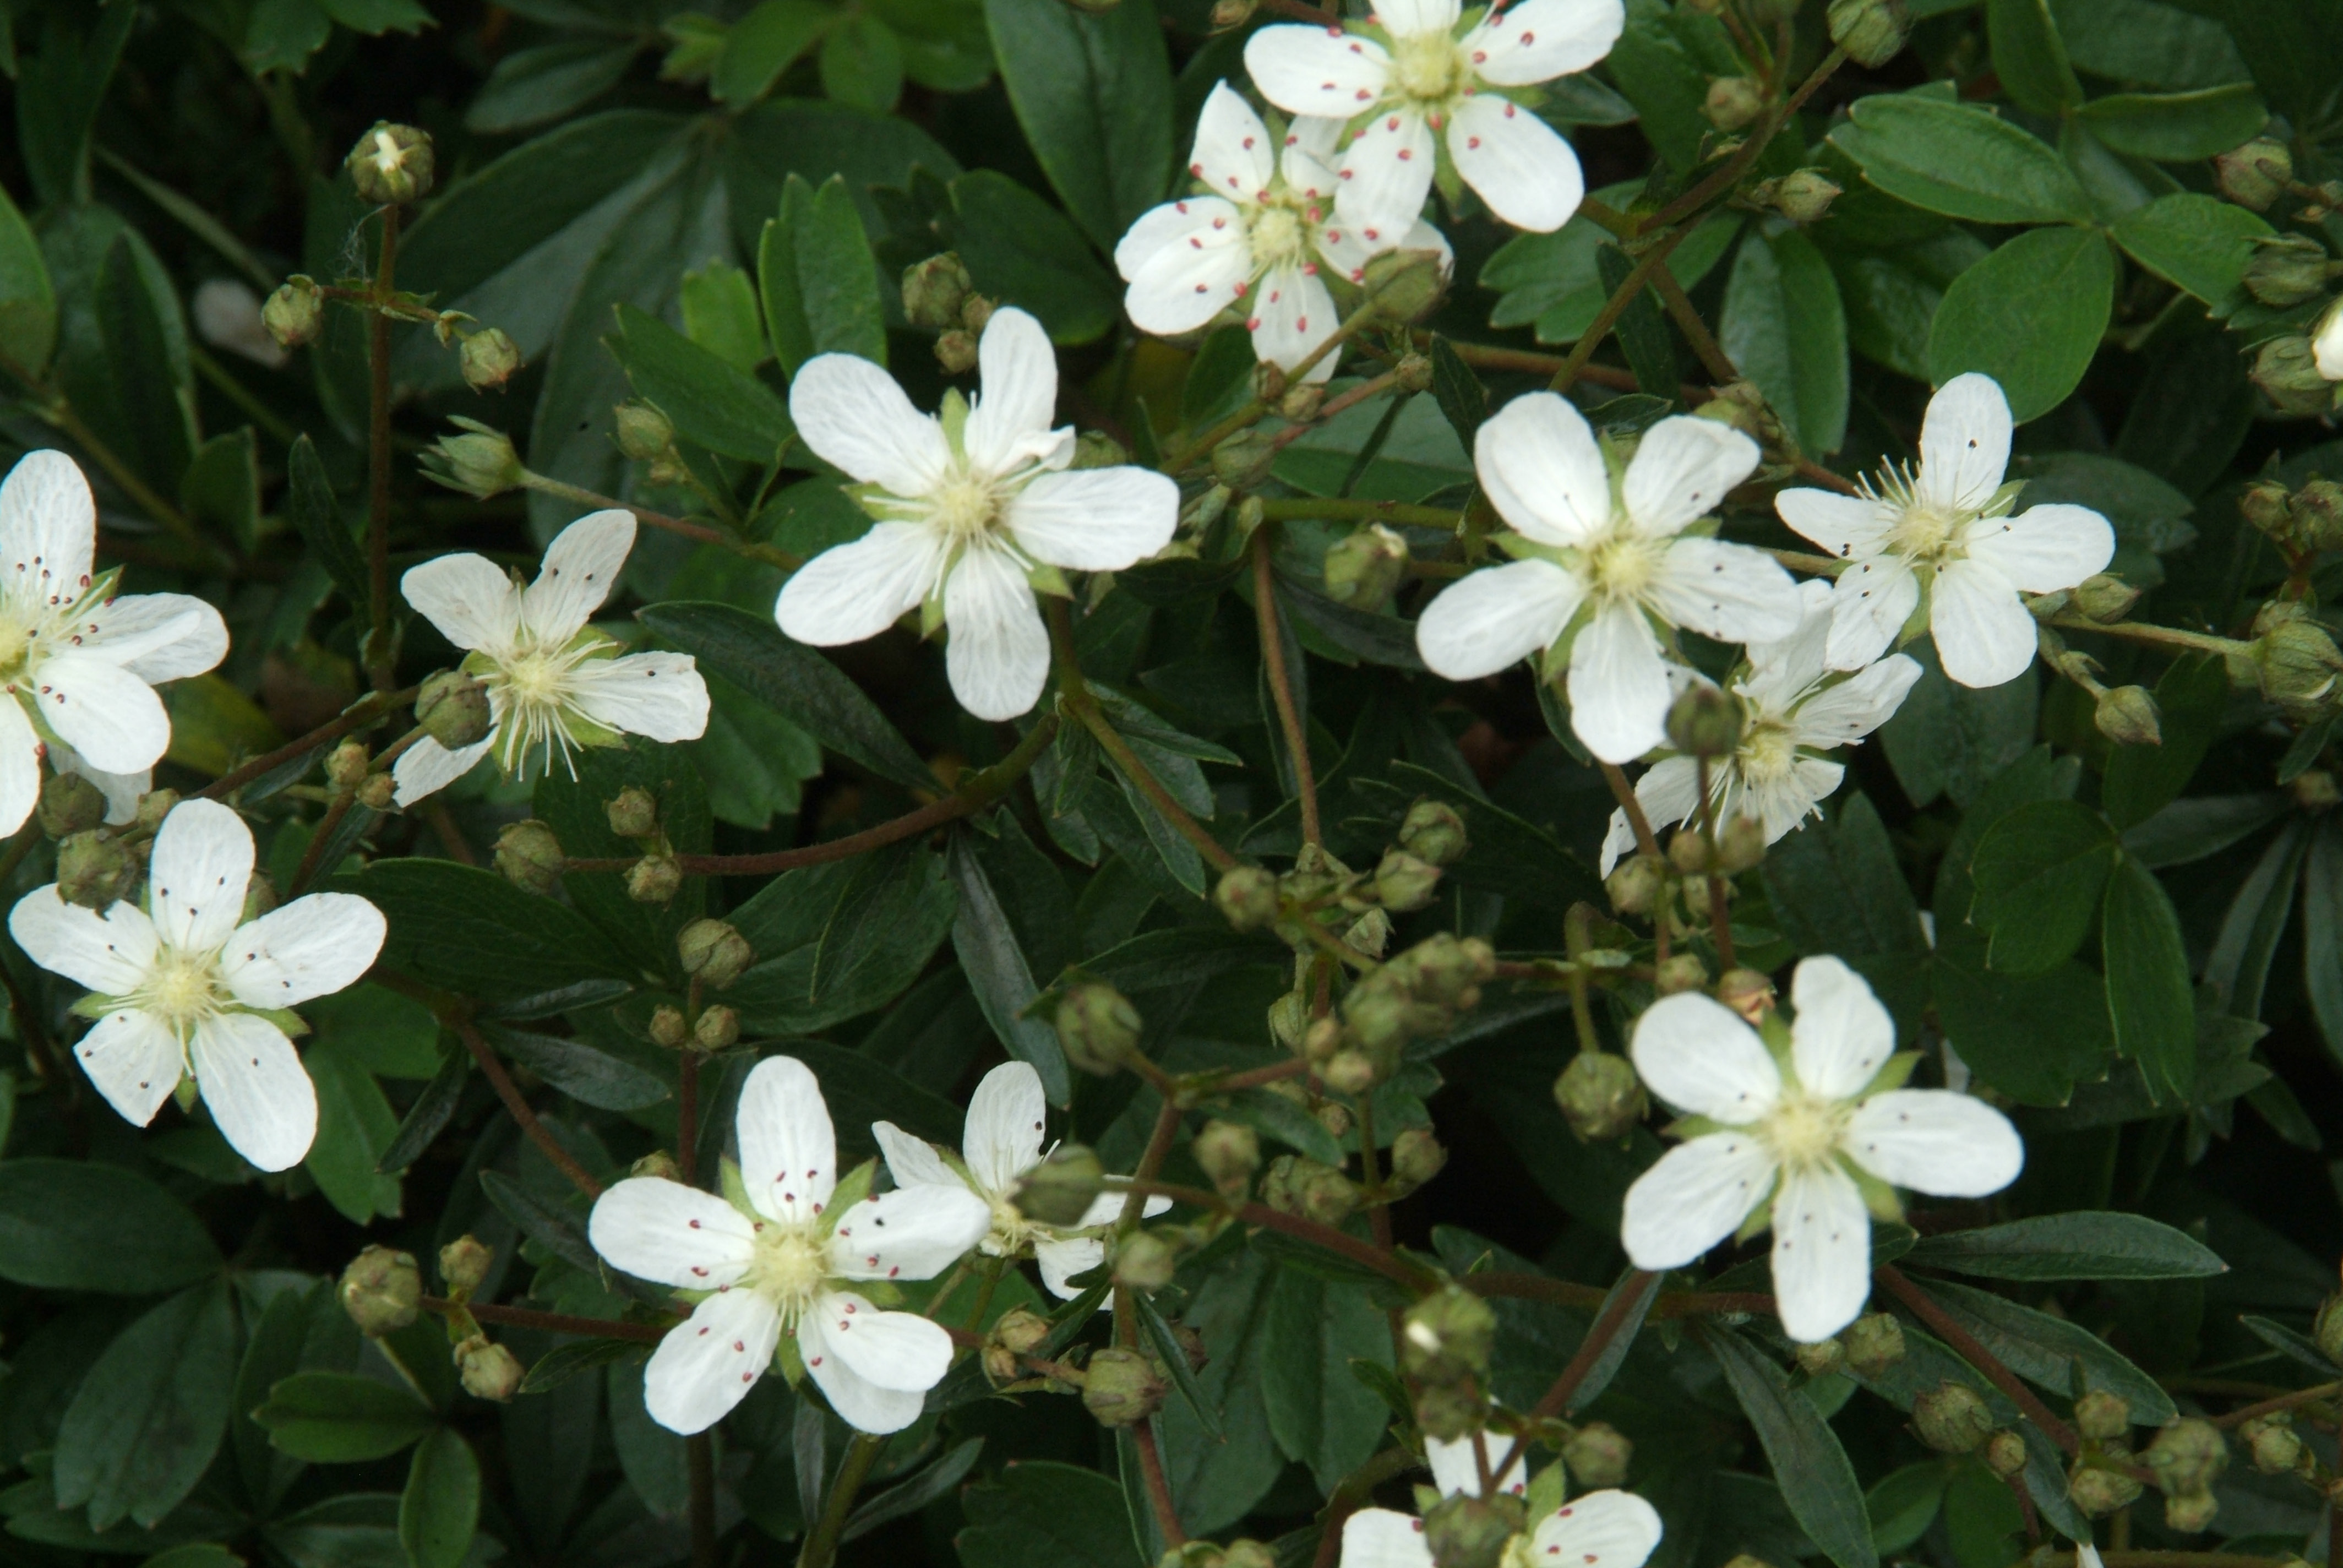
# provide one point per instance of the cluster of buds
(2101, 1480)
(1240, 1553)
(1015, 1335)
(350, 769)
(2274, 1447)
(2186, 1458)
(1296, 1184)
(939, 296)
(1872, 32)
(2256, 174)
(1951, 1418)
(1444, 1347)
(2299, 521)
(1418, 995)
(2288, 371)
(1867, 1348)
(98, 866)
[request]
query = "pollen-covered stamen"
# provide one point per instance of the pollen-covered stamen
(1429, 68)
(788, 1268)
(1924, 530)
(1805, 1130)
(182, 989)
(1623, 565)
(1768, 753)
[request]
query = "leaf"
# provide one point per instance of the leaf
(794, 680)
(2191, 700)
(2081, 1245)
(838, 940)
(317, 517)
(2297, 1347)
(149, 1416)
(819, 282)
(471, 929)
(2322, 934)
(2148, 980)
(2043, 1349)
(713, 403)
(28, 302)
(2200, 825)
(337, 1418)
(2034, 1036)
(652, 1458)
(1041, 1512)
(575, 806)
(440, 1508)
(566, 1361)
(2030, 316)
(1952, 739)
(77, 1225)
(763, 44)
(429, 1115)
(1554, 282)
(147, 405)
(1093, 90)
(2238, 966)
(929, 1486)
(2142, 40)
(1640, 333)
(999, 973)
(1505, 854)
(1321, 1415)
(1217, 1482)
(589, 1076)
(1378, 638)
(1179, 957)
(356, 1128)
(2030, 57)
(2177, 127)
(862, 63)
(2038, 873)
(1835, 887)
(1816, 1480)
(531, 86)
(2193, 241)
(1168, 1351)
(220, 491)
(1959, 159)
(1023, 251)
(1904, 1505)
(1785, 326)
(1462, 400)
(541, 1220)
(1419, 457)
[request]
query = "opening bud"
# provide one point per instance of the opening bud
(294, 313)
(654, 879)
(1246, 897)
(382, 1290)
(1402, 882)
(488, 1371)
(1432, 832)
(1300, 405)
(480, 462)
(633, 813)
(1870, 31)
(668, 1028)
(2256, 174)
(391, 164)
(714, 951)
(1061, 1190)
(1875, 1342)
(2296, 662)
(529, 856)
(1416, 1157)
(719, 1028)
(1405, 285)
(1121, 1387)
(1600, 1096)
(1734, 101)
(488, 358)
(956, 352)
(1145, 1261)
(2187, 1455)
(1447, 1336)
(1228, 1152)
(1598, 1454)
(2271, 1442)
(1365, 567)
(2286, 271)
(1098, 1027)
(935, 291)
(1747, 992)
(2005, 1454)
(70, 804)
(1467, 1532)
(1411, 374)
(463, 1263)
(1820, 1359)
(2267, 505)
(2102, 1416)
(2315, 511)
(2288, 376)
(2127, 715)
(453, 709)
(1637, 885)
(1951, 1418)
(1706, 722)
(643, 433)
(94, 870)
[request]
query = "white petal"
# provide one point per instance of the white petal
(1984, 636)
(709, 1361)
(854, 416)
(1061, 1258)
(1869, 605)
(426, 767)
(20, 765)
(1010, 422)
(1698, 1055)
(1492, 619)
(1729, 592)
(1386, 170)
(858, 590)
(1106, 1209)
(859, 1402)
(201, 866)
(1695, 1197)
(1608, 1529)
(1538, 459)
(1233, 155)
(1312, 147)
(1964, 443)
(1002, 1138)
(1180, 290)
(1411, 18)
(134, 1061)
(1520, 165)
(911, 1233)
(102, 710)
(1095, 520)
(1935, 1141)
(912, 1162)
(156, 636)
(1382, 1538)
(1321, 71)
(899, 1350)
(659, 696)
(1845, 526)
(469, 599)
(110, 953)
(1682, 470)
(1669, 790)
(1619, 687)
(253, 1082)
(48, 529)
(1782, 667)
(1539, 40)
(1785, 804)
(1456, 1468)
(2045, 549)
(2326, 354)
(226, 314)
(788, 1155)
(999, 655)
(1842, 714)
(312, 947)
(1189, 223)
(1822, 1252)
(1618, 839)
(671, 1234)
(1840, 1036)
(1292, 314)
(581, 567)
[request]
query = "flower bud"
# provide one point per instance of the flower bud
(956, 352)
(1637, 885)
(1746, 1560)
(488, 1371)
(1416, 1157)
(1228, 1152)
(654, 879)
(453, 709)
(1322, 1193)
(2315, 514)
(668, 1028)
(2289, 376)
(976, 313)
(1411, 374)
(934, 290)
(1334, 1116)
(463, 1263)
(1706, 722)
(713, 952)
(1447, 1336)
(488, 359)
(2005, 1454)
(1600, 1096)
(296, 312)
(391, 164)
(1688, 850)
(1597, 1455)
(1098, 1027)
(1270, 383)
(2102, 1416)
(643, 433)
(2286, 271)
(2271, 1442)
(1120, 1388)
(1351, 1071)
(1804, 196)
(1870, 31)
(1467, 1532)
(1061, 1190)
(1145, 1261)
(1230, 15)
(2187, 1455)
(2256, 174)
(1016, 1334)
(2190, 1512)
(658, 1165)
(1405, 285)
(2127, 715)
(2327, 1329)
(1365, 567)
(346, 765)
(1402, 882)
(1952, 1419)
(1747, 992)
(1432, 832)
(2316, 789)
(2104, 598)
(480, 462)
(382, 1290)
(94, 870)
(1246, 897)
(1300, 405)
(1734, 101)
(1244, 460)
(154, 806)
(2296, 662)
(1820, 1358)
(633, 813)
(2268, 506)
(70, 804)
(529, 856)
(1448, 1411)
(1741, 845)
(2100, 1493)
(1321, 1040)
(719, 1028)
(259, 896)
(1097, 449)
(1875, 1341)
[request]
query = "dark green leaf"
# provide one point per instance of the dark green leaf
(2322, 933)
(2082, 1245)
(1024, 251)
(1167, 1349)
(1093, 90)
(929, 1486)
(317, 516)
(471, 929)
(589, 1076)
(336, 1418)
(2177, 127)
(1640, 333)
(28, 302)
(149, 1416)
(2238, 966)
(1217, 1482)
(2043, 1349)
(2148, 980)
(1835, 887)
(2033, 1036)
(1951, 739)
(441, 1505)
(1959, 159)
(1902, 1506)
(1462, 398)
(1321, 1414)
(2030, 316)
(2141, 779)
(2296, 1346)
(836, 941)
(713, 403)
(2030, 57)
(1041, 1512)
(2194, 241)
(1378, 638)
(1000, 974)
(540, 1220)
(429, 1115)
(764, 44)
(531, 86)
(1552, 281)
(819, 281)
(74, 1225)
(1785, 326)
(2038, 873)
(862, 63)
(575, 806)
(1816, 1480)
(564, 1361)
(356, 1128)
(2200, 825)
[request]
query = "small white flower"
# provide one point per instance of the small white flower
(772, 1264)
(1256, 236)
(182, 988)
(1418, 67)
(1937, 547)
(81, 663)
(1605, 557)
(1809, 1124)
(1607, 1529)
(554, 682)
(1001, 1142)
(1793, 708)
(2326, 343)
(971, 509)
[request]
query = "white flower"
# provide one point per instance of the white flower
(1603, 557)
(1416, 68)
(972, 508)
(182, 988)
(81, 663)
(1258, 236)
(1608, 1529)
(2326, 343)
(1937, 547)
(1793, 708)
(1810, 1124)
(554, 682)
(773, 1265)
(1001, 1142)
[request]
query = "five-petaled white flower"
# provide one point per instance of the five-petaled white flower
(1937, 547)
(1001, 1142)
(1255, 236)
(972, 507)
(183, 987)
(1419, 67)
(1793, 708)
(81, 663)
(1607, 1529)
(554, 682)
(774, 1265)
(1603, 556)
(1804, 1124)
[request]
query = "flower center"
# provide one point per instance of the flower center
(965, 505)
(1009, 1234)
(1928, 533)
(531, 686)
(1623, 565)
(790, 1265)
(1805, 1129)
(183, 988)
(1429, 67)
(1279, 235)
(1768, 752)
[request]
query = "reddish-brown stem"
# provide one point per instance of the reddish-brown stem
(1281, 685)
(1810, 469)
(2283, 1401)
(1254, 1077)
(1730, 174)
(1650, 261)
(1390, 1264)
(552, 1323)
(1374, 387)
(1678, 305)
(1624, 793)
(1159, 1485)
(378, 456)
(686, 1112)
(1720, 918)
(507, 1091)
(443, 822)
(1605, 1328)
(366, 711)
(1965, 1345)
(326, 826)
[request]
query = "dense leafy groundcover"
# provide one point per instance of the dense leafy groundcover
(1101, 980)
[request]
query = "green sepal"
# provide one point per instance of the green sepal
(184, 1091)
(852, 1187)
(1047, 578)
(1546, 1493)
(735, 1190)
(1761, 1213)
(284, 1018)
(931, 616)
(476, 664)
(1894, 1073)
(1426, 1499)
(953, 415)
(1879, 1197)
(883, 1293)
(788, 1361)
(1775, 1030)
(93, 1006)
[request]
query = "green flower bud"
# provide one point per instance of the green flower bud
(1016, 1334)
(488, 1371)
(2316, 789)
(2316, 513)
(1365, 567)
(2126, 714)
(1870, 31)
(658, 1165)
(668, 1028)
(488, 358)
(1145, 1261)
(347, 765)
(2190, 1512)
(453, 709)
(1734, 101)
(2005, 1454)
(1230, 15)
(1450, 1411)
(633, 813)
(154, 806)
(1120, 1388)
(2102, 1416)
(1432, 832)
(934, 290)
(1875, 1342)
(1097, 449)
(1061, 1190)
(1243, 1554)
(1243, 461)
(1228, 1152)
(1098, 1027)
(1301, 403)
(956, 352)
(391, 164)
(1406, 284)
(1804, 196)
(1447, 1336)
(529, 856)
(2104, 598)
(1467, 1532)
(70, 804)
(654, 879)
(1706, 722)
(2187, 1455)
(382, 1290)
(1350, 1072)
(1688, 850)
(643, 433)
(1246, 897)
(376, 791)
(1637, 885)
(2272, 1443)
(259, 896)
(1402, 882)
(2327, 1328)
(1951, 1418)
(481, 462)
(2256, 174)
(1600, 1096)
(1411, 374)
(94, 870)
(1740, 845)
(463, 1263)
(1416, 1157)
(1745, 1560)
(714, 951)
(1322, 1193)
(1597, 1455)
(2288, 373)
(296, 313)
(2100, 1493)
(1820, 1358)
(719, 1028)
(2268, 506)
(2286, 271)
(2296, 663)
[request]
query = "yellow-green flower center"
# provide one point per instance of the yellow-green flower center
(1429, 68)
(1768, 752)
(1621, 565)
(1804, 1129)
(1280, 234)
(182, 989)
(789, 1266)
(965, 505)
